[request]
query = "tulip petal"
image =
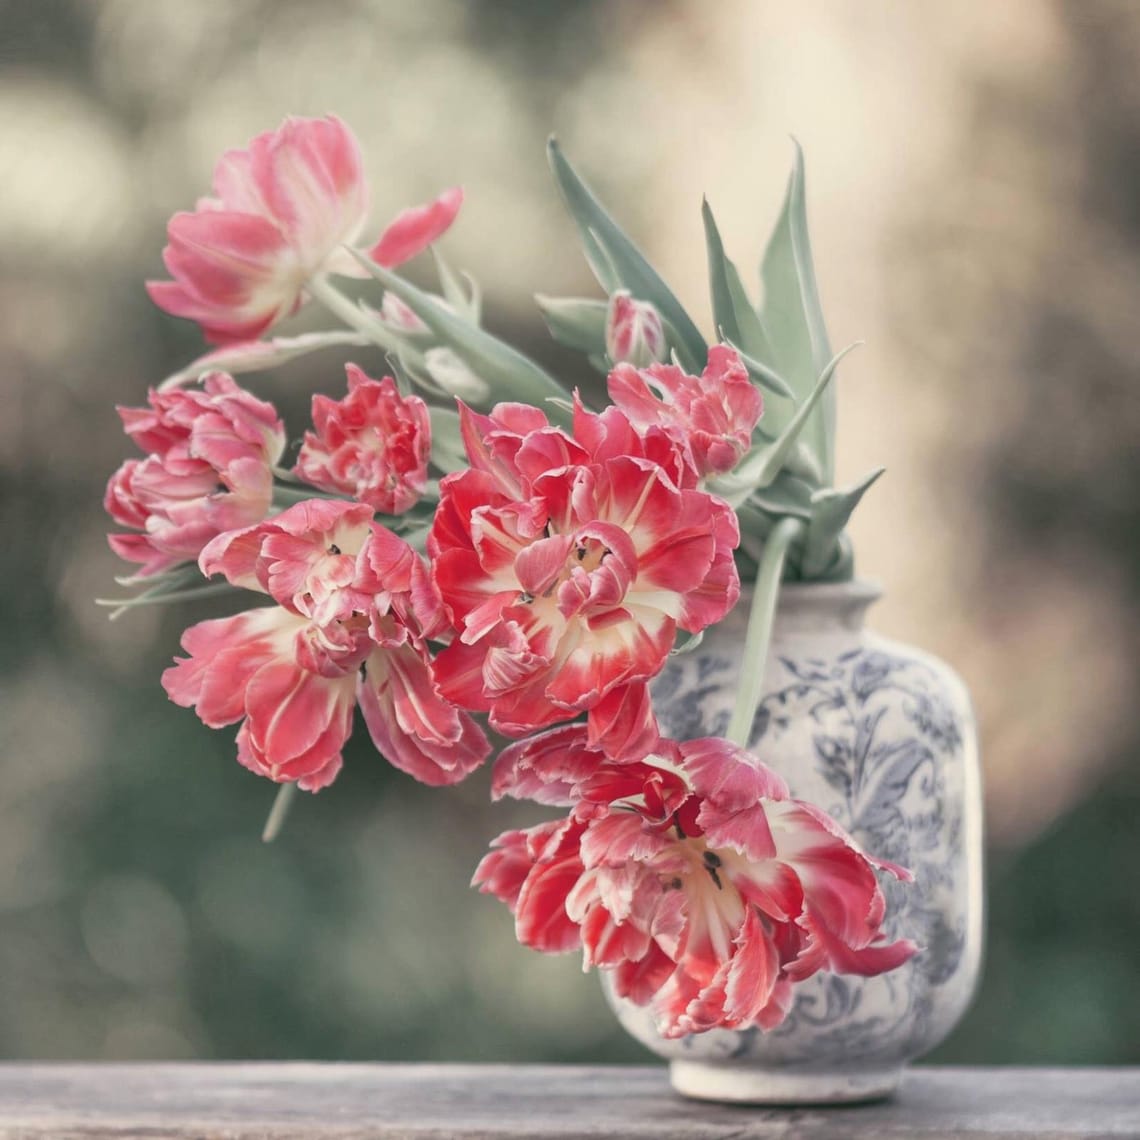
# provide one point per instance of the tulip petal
(415, 228)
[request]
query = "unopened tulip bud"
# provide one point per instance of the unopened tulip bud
(634, 332)
(399, 315)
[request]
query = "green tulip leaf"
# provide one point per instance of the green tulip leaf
(793, 319)
(516, 377)
(831, 511)
(576, 322)
(618, 263)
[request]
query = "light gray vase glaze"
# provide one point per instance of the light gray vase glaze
(883, 737)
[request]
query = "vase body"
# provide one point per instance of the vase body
(882, 736)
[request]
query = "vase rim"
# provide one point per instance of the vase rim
(819, 606)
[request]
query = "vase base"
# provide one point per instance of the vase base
(748, 1084)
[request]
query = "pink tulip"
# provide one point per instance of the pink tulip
(690, 875)
(634, 332)
(355, 607)
(210, 470)
(282, 211)
(373, 445)
(567, 564)
(712, 415)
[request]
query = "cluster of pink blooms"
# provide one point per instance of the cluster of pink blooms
(558, 568)
(690, 874)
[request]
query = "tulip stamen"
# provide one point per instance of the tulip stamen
(711, 862)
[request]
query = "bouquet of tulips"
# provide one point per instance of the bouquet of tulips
(459, 540)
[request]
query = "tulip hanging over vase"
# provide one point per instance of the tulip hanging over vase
(767, 829)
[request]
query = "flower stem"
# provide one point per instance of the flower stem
(161, 598)
(759, 635)
(278, 812)
(355, 317)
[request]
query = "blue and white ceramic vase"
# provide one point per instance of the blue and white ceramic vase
(883, 737)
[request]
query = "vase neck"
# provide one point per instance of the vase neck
(823, 606)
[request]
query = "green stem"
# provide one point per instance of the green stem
(166, 597)
(287, 476)
(321, 289)
(278, 812)
(759, 635)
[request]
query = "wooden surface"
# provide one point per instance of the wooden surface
(313, 1102)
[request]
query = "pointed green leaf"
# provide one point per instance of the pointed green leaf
(724, 312)
(612, 254)
(767, 378)
(756, 522)
(732, 310)
(792, 316)
(678, 353)
(510, 374)
(763, 464)
(599, 261)
(802, 463)
(787, 494)
(831, 510)
(408, 367)
(686, 642)
(576, 322)
(183, 574)
(838, 567)
(163, 598)
(259, 355)
(741, 329)
(466, 302)
(776, 455)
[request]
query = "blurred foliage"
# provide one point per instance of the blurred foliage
(1059, 986)
(1059, 488)
(140, 916)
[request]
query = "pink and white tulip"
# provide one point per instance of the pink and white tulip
(567, 564)
(373, 445)
(282, 211)
(711, 416)
(354, 610)
(210, 470)
(690, 875)
(398, 314)
(635, 334)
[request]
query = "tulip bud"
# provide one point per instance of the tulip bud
(399, 316)
(634, 332)
(454, 377)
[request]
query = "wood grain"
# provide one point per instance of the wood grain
(479, 1102)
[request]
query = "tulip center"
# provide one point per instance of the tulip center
(588, 572)
(715, 906)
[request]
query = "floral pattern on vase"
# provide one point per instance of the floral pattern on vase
(883, 737)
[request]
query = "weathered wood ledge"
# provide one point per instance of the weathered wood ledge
(481, 1102)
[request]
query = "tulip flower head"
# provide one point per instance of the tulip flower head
(372, 445)
(282, 211)
(691, 876)
(209, 470)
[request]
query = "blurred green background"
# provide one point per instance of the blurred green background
(974, 190)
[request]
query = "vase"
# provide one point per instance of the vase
(882, 736)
